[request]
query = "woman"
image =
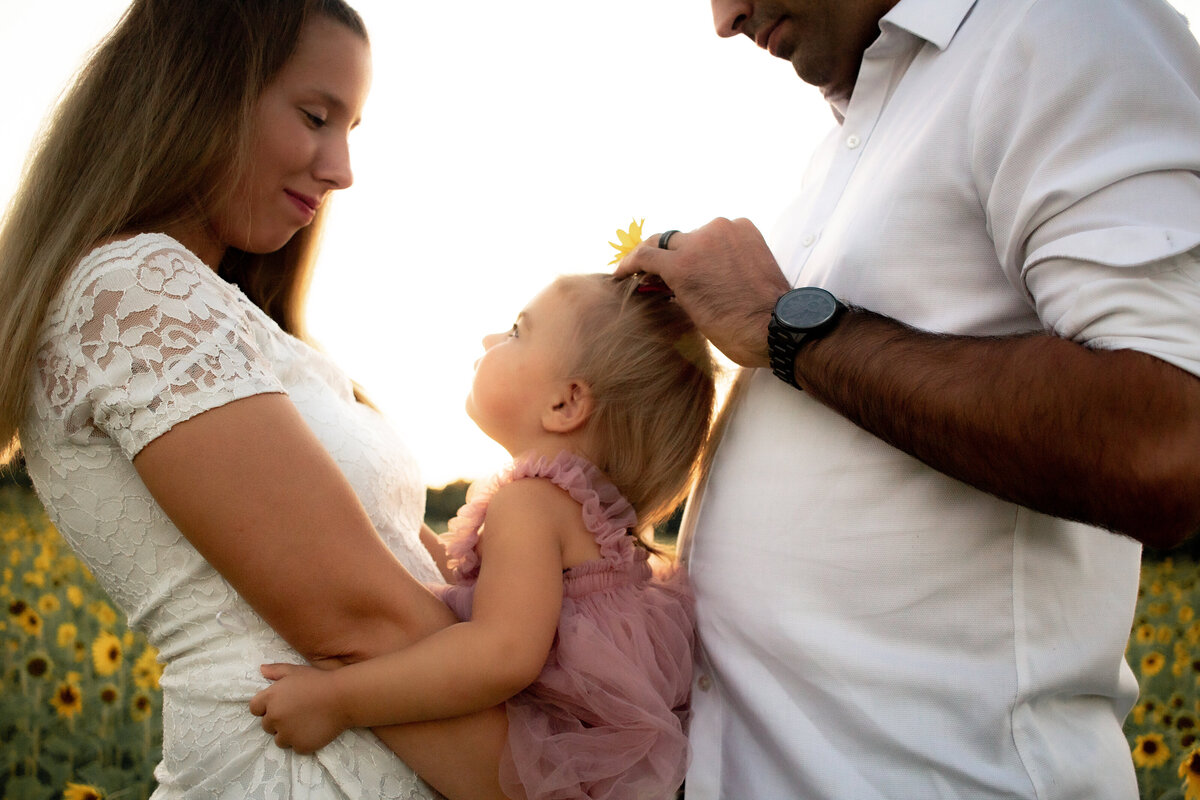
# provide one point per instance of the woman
(214, 472)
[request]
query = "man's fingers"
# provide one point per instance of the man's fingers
(647, 257)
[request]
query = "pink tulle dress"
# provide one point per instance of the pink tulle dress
(606, 718)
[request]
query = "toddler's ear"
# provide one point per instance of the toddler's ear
(569, 409)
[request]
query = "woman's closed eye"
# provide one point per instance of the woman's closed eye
(315, 120)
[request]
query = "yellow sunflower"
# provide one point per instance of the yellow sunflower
(106, 654)
(1144, 634)
(81, 791)
(37, 579)
(1150, 751)
(628, 240)
(48, 604)
(75, 596)
(1152, 663)
(44, 559)
(1186, 614)
(103, 612)
(30, 621)
(109, 694)
(140, 707)
(1147, 706)
(147, 670)
(38, 666)
(1189, 770)
(67, 700)
(67, 633)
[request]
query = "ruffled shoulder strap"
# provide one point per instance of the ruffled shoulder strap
(606, 512)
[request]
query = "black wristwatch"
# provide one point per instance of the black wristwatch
(800, 316)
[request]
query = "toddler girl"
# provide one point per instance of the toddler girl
(603, 395)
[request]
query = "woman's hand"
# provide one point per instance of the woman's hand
(300, 709)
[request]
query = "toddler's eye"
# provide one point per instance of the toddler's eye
(514, 332)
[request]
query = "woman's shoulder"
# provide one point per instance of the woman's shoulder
(138, 270)
(132, 259)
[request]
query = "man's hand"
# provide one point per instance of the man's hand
(725, 278)
(299, 709)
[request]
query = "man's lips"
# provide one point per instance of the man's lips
(763, 37)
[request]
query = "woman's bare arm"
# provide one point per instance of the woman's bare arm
(256, 493)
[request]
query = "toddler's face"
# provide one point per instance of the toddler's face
(521, 370)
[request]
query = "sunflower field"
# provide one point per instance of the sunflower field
(80, 704)
(81, 708)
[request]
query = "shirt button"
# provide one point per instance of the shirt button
(852, 141)
(704, 683)
(808, 240)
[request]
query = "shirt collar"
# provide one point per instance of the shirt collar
(935, 21)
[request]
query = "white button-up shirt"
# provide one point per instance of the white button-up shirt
(869, 627)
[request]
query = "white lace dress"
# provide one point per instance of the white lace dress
(144, 336)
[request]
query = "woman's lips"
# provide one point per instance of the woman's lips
(305, 204)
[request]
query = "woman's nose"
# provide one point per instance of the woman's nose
(333, 163)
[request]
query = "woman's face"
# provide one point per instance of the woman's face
(299, 149)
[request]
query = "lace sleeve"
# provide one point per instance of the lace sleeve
(148, 337)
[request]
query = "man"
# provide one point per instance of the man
(892, 601)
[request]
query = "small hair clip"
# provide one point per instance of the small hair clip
(652, 284)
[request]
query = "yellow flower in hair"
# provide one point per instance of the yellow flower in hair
(1150, 751)
(106, 654)
(628, 240)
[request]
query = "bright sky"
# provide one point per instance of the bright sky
(503, 144)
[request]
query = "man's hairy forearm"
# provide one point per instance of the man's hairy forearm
(1111, 438)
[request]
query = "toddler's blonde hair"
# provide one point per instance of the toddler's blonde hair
(651, 376)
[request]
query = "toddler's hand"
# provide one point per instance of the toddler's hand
(299, 709)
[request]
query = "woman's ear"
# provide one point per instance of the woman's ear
(569, 409)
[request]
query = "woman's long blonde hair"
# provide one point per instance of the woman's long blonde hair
(651, 376)
(153, 131)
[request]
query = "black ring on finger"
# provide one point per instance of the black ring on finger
(665, 237)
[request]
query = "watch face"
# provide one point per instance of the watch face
(806, 308)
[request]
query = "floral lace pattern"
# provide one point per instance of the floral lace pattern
(142, 337)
